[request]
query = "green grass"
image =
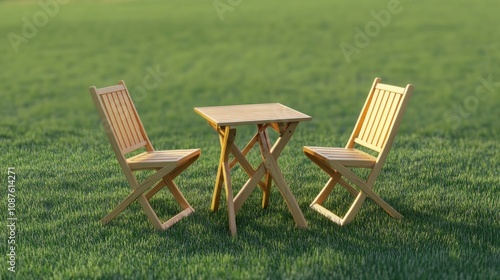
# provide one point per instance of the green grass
(442, 173)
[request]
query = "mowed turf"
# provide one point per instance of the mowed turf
(442, 173)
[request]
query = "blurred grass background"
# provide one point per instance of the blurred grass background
(442, 174)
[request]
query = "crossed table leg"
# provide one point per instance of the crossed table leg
(269, 167)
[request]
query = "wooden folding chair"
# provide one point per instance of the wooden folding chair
(375, 130)
(126, 135)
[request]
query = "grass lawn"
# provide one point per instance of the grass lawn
(319, 57)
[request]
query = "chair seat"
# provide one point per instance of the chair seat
(348, 157)
(159, 159)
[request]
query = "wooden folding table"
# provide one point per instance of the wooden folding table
(224, 120)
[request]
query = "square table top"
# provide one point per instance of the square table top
(234, 115)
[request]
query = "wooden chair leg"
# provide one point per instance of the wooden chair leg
(325, 192)
(138, 194)
(327, 213)
(127, 201)
(348, 187)
(153, 217)
(186, 212)
(354, 209)
(355, 206)
(327, 189)
(176, 172)
(155, 189)
(367, 189)
(150, 213)
(176, 193)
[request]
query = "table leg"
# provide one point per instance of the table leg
(218, 186)
(270, 168)
(219, 180)
(229, 196)
(249, 187)
(267, 190)
(227, 136)
(256, 177)
(273, 168)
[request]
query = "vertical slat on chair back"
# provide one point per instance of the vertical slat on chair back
(122, 120)
(381, 116)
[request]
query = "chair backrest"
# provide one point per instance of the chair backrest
(120, 119)
(380, 117)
